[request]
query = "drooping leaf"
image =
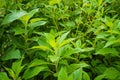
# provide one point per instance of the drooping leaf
(12, 54)
(106, 51)
(111, 41)
(111, 73)
(3, 76)
(13, 16)
(62, 75)
(31, 72)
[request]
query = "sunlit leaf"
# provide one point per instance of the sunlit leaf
(13, 16)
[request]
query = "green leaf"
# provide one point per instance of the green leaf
(37, 19)
(26, 17)
(53, 58)
(62, 75)
(78, 74)
(106, 51)
(66, 42)
(100, 77)
(11, 72)
(3, 76)
(63, 37)
(86, 76)
(52, 2)
(111, 73)
(111, 42)
(31, 72)
(37, 62)
(74, 66)
(44, 48)
(36, 24)
(13, 16)
(16, 67)
(12, 54)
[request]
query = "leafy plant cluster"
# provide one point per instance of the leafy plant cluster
(59, 40)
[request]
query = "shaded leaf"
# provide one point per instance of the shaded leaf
(106, 51)
(12, 54)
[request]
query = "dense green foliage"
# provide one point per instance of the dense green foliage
(59, 40)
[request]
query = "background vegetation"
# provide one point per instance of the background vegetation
(59, 40)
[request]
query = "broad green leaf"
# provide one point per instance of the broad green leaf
(62, 75)
(49, 37)
(53, 58)
(44, 48)
(77, 74)
(3, 76)
(31, 72)
(74, 66)
(37, 62)
(19, 30)
(111, 73)
(12, 54)
(36, 24)
(106, 51)
(13, 16)
(100, 77)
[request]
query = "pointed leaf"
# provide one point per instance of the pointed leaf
(31, 72)
(106, 51)
(62, 74)
(12, 54)
(13, 16)
(63, 37)
(44, 48)
(37, 62)
(78, 74)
